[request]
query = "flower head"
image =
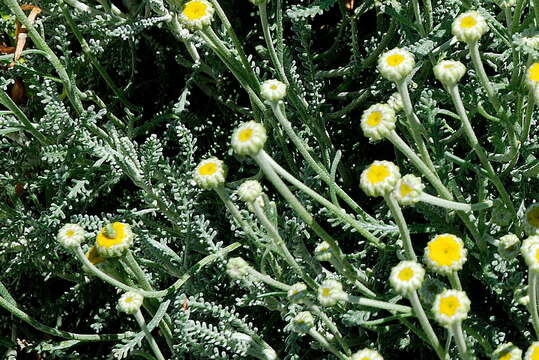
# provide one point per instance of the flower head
(197, 14)
(527, 243)
(445, 254)
(71, 235)
(395, 102)
(330, 293)
(210, 173)
(396, 64)
(130, 302)
(322, 252)
(237, 268)
(303, 322)
(250, 190)
(531, 255)
(532, 75)
(449, 72)
(379, 178)
(407, 277)
(378, 121)
(408, 189)
(507, 351)
(93, 256)
(114, 239)
(468, 27)
(273, 90)
(533, 351)
(367, 354)
(297, 293)
(508, 246)
(249, 138)
(450, 307)
(531, 221)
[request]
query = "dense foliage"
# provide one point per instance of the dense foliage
(110, 107)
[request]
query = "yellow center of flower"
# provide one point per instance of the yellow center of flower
(395, 59)
(245, 134)
(449, 305)
(273, 87)
(449, 66)
(195, 10)
(533, 217)
(93, 257)
(365, 358)
(104, 241)
(505, 356)
(533, 72)
(325, 291)
(535, 353)
(537, 255)
(70, 233)
(405, 189)
(444, 250)
(129, 299)
(207, 169)
(406, 274)
(468, 22)
(377, 173)
(374, 118)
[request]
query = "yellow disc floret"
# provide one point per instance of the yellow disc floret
(114, 239)
(445, 253)
(451, 306)
(379, 178)
(406, 277)
(197, 14)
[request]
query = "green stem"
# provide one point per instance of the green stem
(272, 176)
(536, 12)
(323, 201)
(418, 17)
(315, 164)
(401, 223)
(55, 332)
(527, 122)
(6, 100)
(269, 42)
(480, 70)
(267, 279)
(438, 185)
(330, 324)
(220, 190)
(155, 294)
(281, 245)
(454, 280)
(378, 304)
(480, 152)
(416, 128)
(453, 205)
(149, 337)
(532, 305)
(425, 324)
(323, 341)
(458, 334)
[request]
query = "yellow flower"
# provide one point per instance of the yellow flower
(533, 351)
(532, 75)
(445, 253)
(130, 302)
(114, 239)
(407, 277)
(408, 190)
(449, 72)
(93, 256)
(396, 64)
(469, 27)
(378, 121)
(367, 354)
(210, 173)
(196, 14)
(507, 351)
(249, 138)
(71, 235)
(379, 178)
(450, 307)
